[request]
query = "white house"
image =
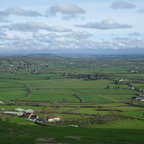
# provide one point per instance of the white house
(13, 113)
(1, 102)
(53, 118)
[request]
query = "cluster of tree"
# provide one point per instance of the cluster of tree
(97, 119)
(48, 110)
(29, 89)
(95, 76)
(5, 118)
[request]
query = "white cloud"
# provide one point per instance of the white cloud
(79, 35)
(68, 11)
(34, 27)
(19, 12)
(27, 27)
(30, 29)
(37, 35)
(104, 25)
(134, 34)
(130, 42)
(60, 42)
(7, 36)
(122, 4)
(61, 39)
(60, 29)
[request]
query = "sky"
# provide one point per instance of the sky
(90, 26)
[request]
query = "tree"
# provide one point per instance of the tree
(48, 110)
(8, 119)
(107, 87)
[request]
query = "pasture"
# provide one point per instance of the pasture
(12, 94)
(65, 90)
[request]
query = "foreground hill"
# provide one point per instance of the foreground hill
(16, 134)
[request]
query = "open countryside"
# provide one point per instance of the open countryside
(85, 92)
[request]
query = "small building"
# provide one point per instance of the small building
(134, 71)
(29, 111)
(123, 80)
(23, 110)
(1, 102)
(53, 118)
(13, 113)
(49, 119)
(26, 115)
(72, 126)
(41, 120)
(33, 117)
(138, 98)
(20, 109)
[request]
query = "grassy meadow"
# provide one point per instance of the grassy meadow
(64, 90)
(13, 133)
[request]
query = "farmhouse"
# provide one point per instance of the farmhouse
(49, 119)
(53, 118)
(141, 98)
(23, 110)
(40, 120)
(29, 111)
(13, 113)
(33, 117)
(20, 109)
(134, 71)
(30, 116)
(26, 115)
(1, 102)
(20, 112)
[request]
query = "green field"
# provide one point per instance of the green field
(58, 90)
(93, 92)
(53, 98)
(12, 94)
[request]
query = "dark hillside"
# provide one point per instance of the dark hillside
(16, 134)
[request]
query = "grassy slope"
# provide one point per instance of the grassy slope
(15, 134)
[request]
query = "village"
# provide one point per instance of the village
(29, 114)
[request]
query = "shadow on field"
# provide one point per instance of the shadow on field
(16, 134)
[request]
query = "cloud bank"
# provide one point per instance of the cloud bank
(104, 25)
(121, 4)
(34, 27)
(134, 34)
(68, 11)
(19, 12)
(70, 41)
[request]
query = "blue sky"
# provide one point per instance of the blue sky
(45, 25)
